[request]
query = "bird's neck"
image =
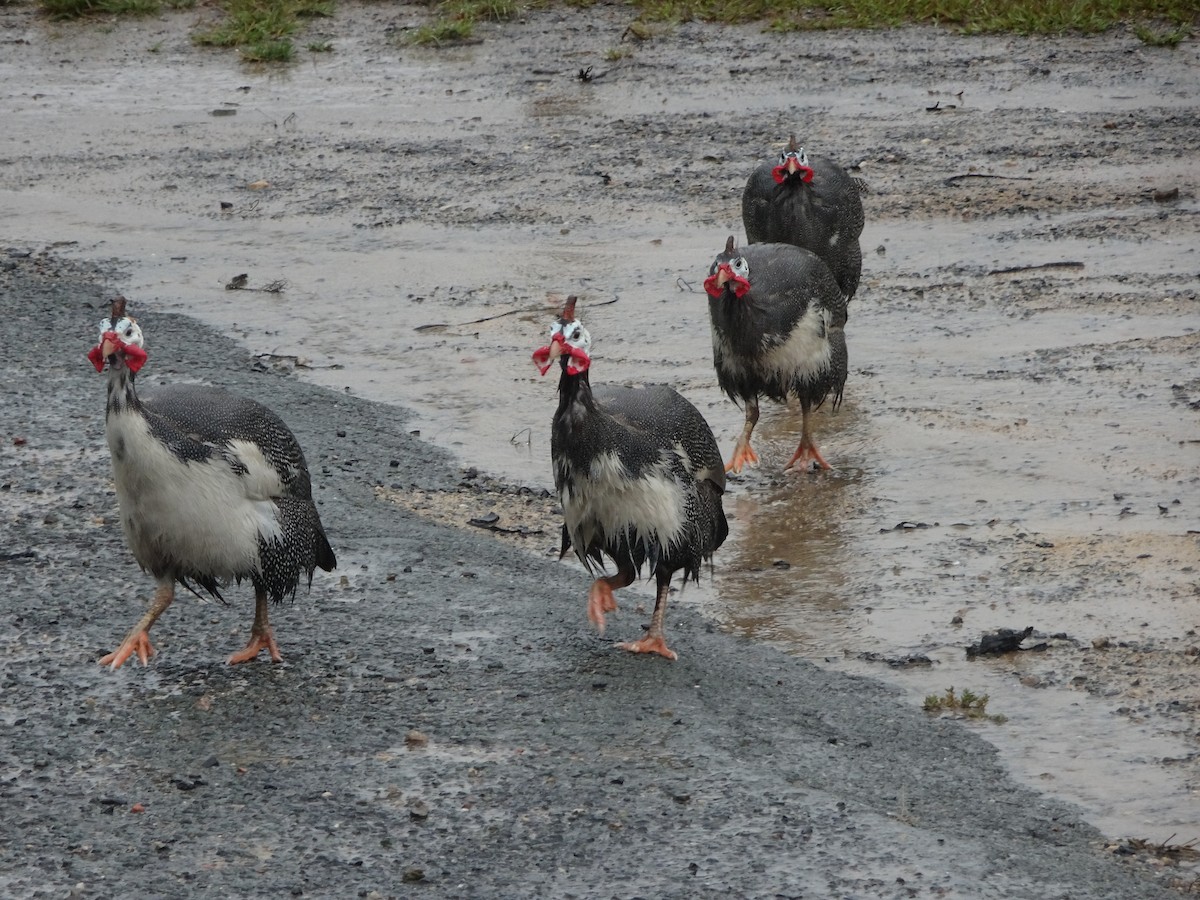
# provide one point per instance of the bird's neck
(574, 392)
(795, 189)
(731, 309)
(122, 392)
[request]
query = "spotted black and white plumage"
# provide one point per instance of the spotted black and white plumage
(784, 337)
(212, 487)
(777, 331)
(246, 510)
(823, 214)
(639, 477)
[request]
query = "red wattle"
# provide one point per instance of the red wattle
(580, 362)
(135, 357)
(740, 285)
(541, 359)
(780, 174)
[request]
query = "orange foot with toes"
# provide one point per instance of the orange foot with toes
(807, 455)
(743, 455)
(259, 641)
(138, 643)
(600, 601)
(650, 643)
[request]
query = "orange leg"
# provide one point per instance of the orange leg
(261, 636)
(742, 452)
(601, 599)
(653, 641)
(138, 640)
(807, 453)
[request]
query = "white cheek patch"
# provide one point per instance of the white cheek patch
(134, 336)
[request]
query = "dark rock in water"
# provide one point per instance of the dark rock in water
(1006, 640)
(909, 661)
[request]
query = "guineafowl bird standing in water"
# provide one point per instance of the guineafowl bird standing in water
(778, 322)
(811, 202)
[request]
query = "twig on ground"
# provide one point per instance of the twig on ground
(954, 179)
(1065, 264)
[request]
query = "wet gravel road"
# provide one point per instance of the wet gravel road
(547, 764)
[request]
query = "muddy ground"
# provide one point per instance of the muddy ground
(1018, 448)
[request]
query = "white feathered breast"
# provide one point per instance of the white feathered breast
(607, 501)
(806, 350)
(805, 353)
(203, 515)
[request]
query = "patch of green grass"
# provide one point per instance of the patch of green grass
(75, 9)
(269, 51)
(1159, 38)
(250, 22)
(967, 16)
(135, 7)
(967, 704)
(443, 31)
(639, 30)
(320, 47)
(262, 29)
(456, 20)
(612, 54)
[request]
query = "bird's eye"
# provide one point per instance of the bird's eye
(571, 332)
(803, 158)
(740, 266)
(128, 332)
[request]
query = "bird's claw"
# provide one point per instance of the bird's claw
(650, 643)
(743, 455)
(138, 644)
(258, 642)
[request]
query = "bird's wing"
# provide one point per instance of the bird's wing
(665, 421)
(198, 421)
(756, 203)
